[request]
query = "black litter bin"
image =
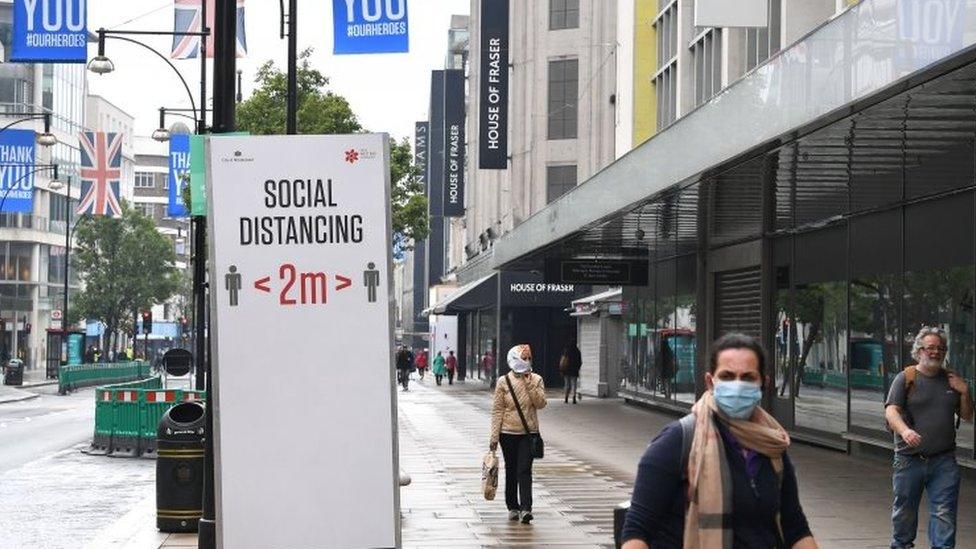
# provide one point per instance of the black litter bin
(179, 468)
(13, 372)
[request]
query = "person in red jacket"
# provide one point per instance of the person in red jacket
(451, 364)
(420, 362)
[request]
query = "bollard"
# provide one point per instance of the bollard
(619, 514)
(179, 468)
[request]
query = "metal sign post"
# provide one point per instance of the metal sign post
(303, 393)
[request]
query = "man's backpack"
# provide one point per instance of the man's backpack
(911, 374)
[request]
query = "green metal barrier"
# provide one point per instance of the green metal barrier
(74, 376)
(127, 414)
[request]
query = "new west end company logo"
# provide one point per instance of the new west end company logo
(355, 155)
(237, 157)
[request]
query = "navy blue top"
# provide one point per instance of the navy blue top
(657, 508)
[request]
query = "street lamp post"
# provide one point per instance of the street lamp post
(46, 138)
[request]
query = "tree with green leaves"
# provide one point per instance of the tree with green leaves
(321, 111)
(126, 265)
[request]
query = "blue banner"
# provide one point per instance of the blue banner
(50, 31)
(370, 26)
(179, 174)
(17, 171)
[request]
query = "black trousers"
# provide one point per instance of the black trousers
(450, 377)
(517, 453)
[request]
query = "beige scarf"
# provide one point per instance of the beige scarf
(707, 523)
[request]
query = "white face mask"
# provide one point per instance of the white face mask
(520, 366)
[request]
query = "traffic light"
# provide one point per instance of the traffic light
(147, 322)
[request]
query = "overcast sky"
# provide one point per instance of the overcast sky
(388, 92)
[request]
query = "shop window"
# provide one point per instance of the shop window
(875, 293)
(563, 98)
(820, 319)
(563, 14)
(939, 281)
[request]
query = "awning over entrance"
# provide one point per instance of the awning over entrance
(472, 296)
(844, 66)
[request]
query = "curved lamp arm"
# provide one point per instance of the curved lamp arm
(193, 104)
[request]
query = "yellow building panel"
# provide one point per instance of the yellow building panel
(645, 63)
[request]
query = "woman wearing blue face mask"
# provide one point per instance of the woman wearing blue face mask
(720, 477)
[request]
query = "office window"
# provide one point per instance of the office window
(144, 180)
(706, 53)
(563, 98)
(763, 42)
(666, 77)
(559, 181)
(563, 14)
(146, 209)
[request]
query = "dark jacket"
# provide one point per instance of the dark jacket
(574, 361)
(657, 509)
(404, 360)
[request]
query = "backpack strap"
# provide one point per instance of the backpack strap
(910, 374)
(687, 435)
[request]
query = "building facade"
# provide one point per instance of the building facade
(820, 197)
(562, 129)
(32, 245)
(150, 197)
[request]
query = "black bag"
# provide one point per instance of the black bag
(536, 445)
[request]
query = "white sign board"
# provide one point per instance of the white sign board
(305, 441)
(726, 13)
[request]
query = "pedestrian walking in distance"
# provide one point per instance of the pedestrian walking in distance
(720, 477)
(921, 409)
(404, 363)
(420, 362)
(439, 369)
(451, 364)
(514, 423)
(569, 366)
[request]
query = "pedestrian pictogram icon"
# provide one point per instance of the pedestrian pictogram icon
(371, 279)
(232, 282)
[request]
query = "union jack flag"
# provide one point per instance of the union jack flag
(186, 18)
(101, 171)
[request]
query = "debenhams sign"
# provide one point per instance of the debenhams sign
(493, 115)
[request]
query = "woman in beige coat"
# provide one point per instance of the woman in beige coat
(507, 427)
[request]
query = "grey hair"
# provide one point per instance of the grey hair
(922, 334)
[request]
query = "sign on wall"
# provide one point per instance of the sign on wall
(300, 257)
(493, 99)
(50, 31)
(421, 144)
(722, 13)
(17, 170)
(604, 272)
(179, 174)
(370, 26)
(453, 143)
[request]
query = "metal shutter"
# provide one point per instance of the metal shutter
(738, 302)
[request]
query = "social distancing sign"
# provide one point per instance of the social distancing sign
(300, 275)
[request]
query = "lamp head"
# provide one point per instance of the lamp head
(101, 64)
(161, 135)
(46, 139)
(55, 185)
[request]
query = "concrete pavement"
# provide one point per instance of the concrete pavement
(592, 452)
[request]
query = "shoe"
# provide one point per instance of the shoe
(527, 517)
(513, 514)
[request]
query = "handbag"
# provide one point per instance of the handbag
(537, 446)
(489, 475)
(563, 364)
